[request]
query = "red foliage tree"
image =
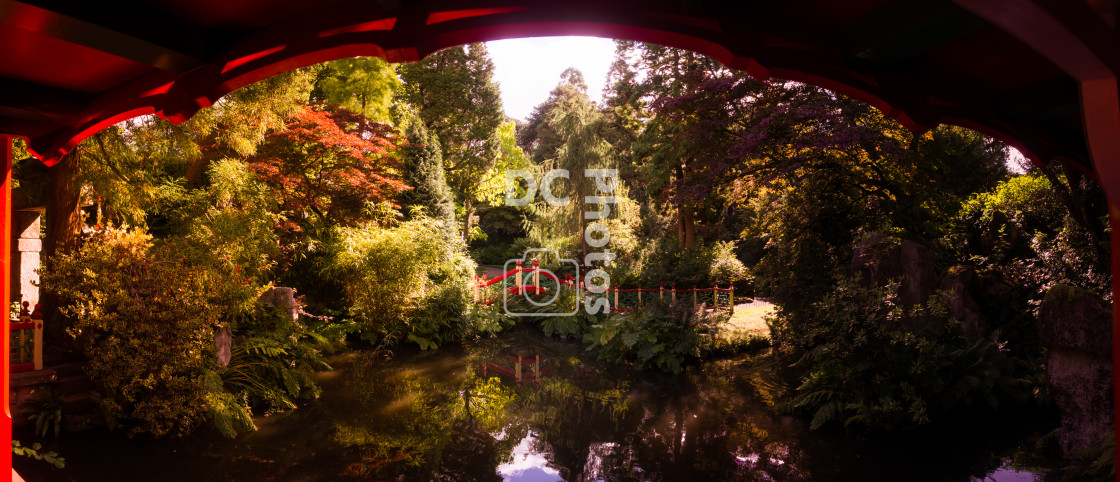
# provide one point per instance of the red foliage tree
(330, 168)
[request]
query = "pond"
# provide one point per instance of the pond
(441, 415)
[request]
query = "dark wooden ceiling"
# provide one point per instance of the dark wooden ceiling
(68, 69)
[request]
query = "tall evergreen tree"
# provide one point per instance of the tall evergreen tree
(576, 124)
(423, 170)
(459, 101)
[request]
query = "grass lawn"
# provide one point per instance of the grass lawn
(745, 330)
(750, 319)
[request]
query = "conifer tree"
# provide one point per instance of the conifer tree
(423, 170)
(456, 96)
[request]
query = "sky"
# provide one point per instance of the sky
(528, 69)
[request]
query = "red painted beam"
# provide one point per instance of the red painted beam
(1066, 33)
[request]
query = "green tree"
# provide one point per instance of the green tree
(423, 170)
(326, 172)
(366, 85)
(457, 98)
(577, 125)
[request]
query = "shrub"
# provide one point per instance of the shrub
(406, 281)
(272, 360)
(870, 363)
(143, 313)
(565, 325)
(655, 338)
(1021, 230)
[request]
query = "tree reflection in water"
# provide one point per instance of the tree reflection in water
(435, 416)
(585, 422)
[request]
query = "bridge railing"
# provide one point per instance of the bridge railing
(26, 341)
(534, 281)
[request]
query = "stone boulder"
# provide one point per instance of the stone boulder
(282, 298)
(957, 287)
(1076, 328)
(880, 258)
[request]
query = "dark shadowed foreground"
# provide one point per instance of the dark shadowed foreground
(435, 415)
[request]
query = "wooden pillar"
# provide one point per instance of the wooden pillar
(517, 367)
(673, 294)
(537, 370)
(732, 295)
(1114, 246)
(37, 333)
(616, 297)
(1100, 111)
(519, 290)
(6, 294)
(715, 296)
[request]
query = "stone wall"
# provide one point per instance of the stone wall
(1076, 328)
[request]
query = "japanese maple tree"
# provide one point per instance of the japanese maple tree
(329, 168)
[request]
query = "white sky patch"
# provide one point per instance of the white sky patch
(528, 69)
(527, 465)
(1016, 162)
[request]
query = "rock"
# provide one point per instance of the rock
(1076, 327)
(919, 275)
(1076, 319)
(879, 258)
(282, 298)
(223, 340)
(876, 259)
(957, 287)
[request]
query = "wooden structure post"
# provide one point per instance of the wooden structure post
(673, 301)
(715, 296)
(6, 295)
(732, 295)
(37, 318)
(537, 276)
(616, 297)
(517, 369)
(518, 277)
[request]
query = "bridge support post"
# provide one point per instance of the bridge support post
(6, 295)
(517, 369)
(520, 288)
(1114, 254)
(1100, 107)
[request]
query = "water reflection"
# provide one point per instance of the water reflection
(528, 465)
(440, 416)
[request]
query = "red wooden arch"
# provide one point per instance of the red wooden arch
(1038, 74)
